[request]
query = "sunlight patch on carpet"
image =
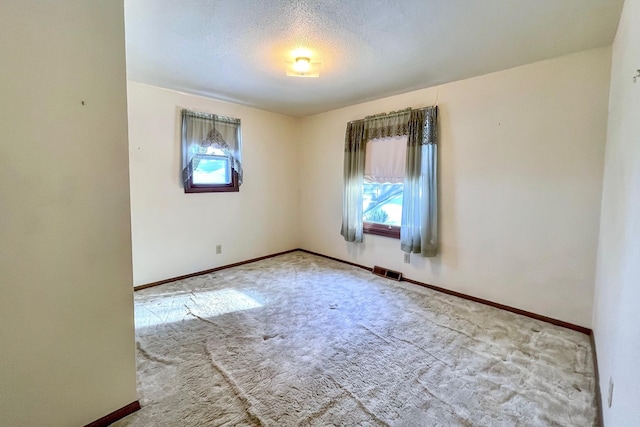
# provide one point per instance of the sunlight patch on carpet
(179, 306)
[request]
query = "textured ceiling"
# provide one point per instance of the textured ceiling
(236, 50)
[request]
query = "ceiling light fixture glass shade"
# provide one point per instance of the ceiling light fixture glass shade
(303, 67)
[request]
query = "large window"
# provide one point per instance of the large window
(210, 153)
(371, 184)
(383, 186)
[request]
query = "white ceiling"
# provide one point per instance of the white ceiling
(236, 50)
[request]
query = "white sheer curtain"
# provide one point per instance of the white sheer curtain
(419, 227)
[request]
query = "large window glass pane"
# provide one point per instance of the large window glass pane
(382, 203)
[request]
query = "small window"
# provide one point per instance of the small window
(210, 153)
(383, 186)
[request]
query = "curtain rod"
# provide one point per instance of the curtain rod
(392, 114)
(216, 117)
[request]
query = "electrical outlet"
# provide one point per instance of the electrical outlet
(218, 249)
(610, 399)
(407, 258)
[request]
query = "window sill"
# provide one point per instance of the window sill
(381, 230)
(233, 186)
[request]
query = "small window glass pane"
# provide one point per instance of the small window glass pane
(382, 203)
(212, 170)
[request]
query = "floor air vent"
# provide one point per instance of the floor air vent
(384, 272)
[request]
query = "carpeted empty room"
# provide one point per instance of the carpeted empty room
(298, 339)
(320, 213)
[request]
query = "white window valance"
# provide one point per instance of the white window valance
(385, 161)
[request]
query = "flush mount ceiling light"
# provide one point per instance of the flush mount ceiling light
(303, 67)
(302, 64)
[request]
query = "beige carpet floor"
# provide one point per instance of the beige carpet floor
(302, 340)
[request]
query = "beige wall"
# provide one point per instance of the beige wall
(521, 159)
(176, 233)
(67, 338)
(616, 320)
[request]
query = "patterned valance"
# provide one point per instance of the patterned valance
(395, 123)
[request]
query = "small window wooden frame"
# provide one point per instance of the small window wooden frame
(233, 186)
(392, 231)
